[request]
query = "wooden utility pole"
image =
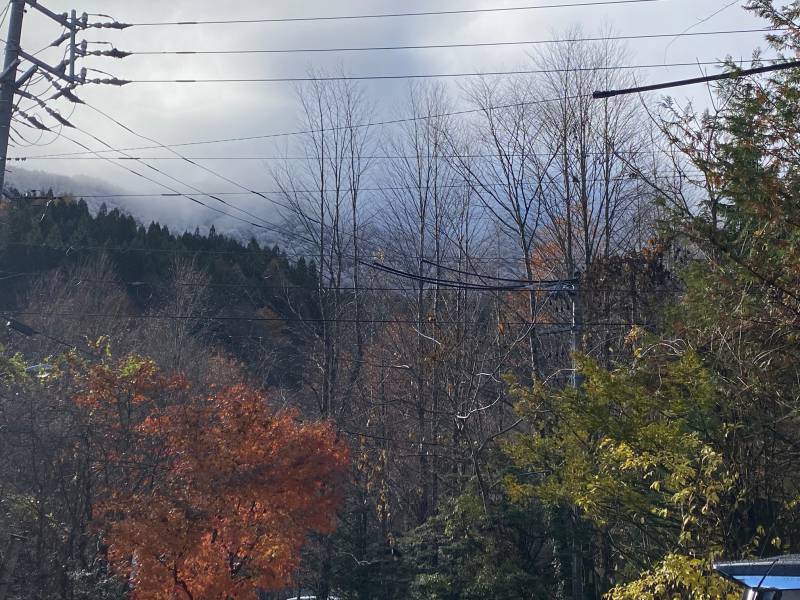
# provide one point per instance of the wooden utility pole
(8, 88)
(577, 382)
(65, 72)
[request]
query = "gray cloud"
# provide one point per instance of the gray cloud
(179, 113)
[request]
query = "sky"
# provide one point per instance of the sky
(177, 113)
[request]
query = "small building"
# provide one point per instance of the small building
(776, 578)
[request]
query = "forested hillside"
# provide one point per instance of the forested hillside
(548, 351)
(73, 272)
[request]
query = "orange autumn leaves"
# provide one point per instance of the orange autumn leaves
(208, 497)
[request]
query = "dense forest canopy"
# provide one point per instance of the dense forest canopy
(556, 359)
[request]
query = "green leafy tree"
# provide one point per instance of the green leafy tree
(628, 453)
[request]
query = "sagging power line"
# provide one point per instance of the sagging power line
(265, 286)
(372, 16)
(445, 46)
(189, 161)
(68, 249)
(176, 193)
(69, 156)
(29, 332)
(378, 189)
(354, 126)
(460, 75)
(177, 317)
(518, 285)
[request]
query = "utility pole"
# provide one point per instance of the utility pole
(73, 42)
(577, 328)
(63, 75)
(577, 382)
(8, 82)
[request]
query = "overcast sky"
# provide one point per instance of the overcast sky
(174, 113)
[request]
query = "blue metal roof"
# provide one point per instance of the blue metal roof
(777, 573)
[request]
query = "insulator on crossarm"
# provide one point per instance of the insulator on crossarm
(113, 25)
(112, 81)
(59, 118)
(34, 121)
(32, 98)
(52, 80)
(60, 40)
(115, 53)
(67, 93)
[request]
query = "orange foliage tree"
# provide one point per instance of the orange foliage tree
(208, 497)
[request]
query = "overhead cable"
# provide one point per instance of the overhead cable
(28, 331)
(275, 157)
(502, 279)
(189, 161)
(461, 75)
(735, 74)
(395, 15)
(519, 285)
(174, 317)
(452, 45)
(295, 255)
(391, 188)
(459, 285)
(383, 123)
(342, 289)
(177, 193)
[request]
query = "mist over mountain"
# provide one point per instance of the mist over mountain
(179, 214)
(39, 181)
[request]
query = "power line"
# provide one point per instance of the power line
(268, 225)
(308, 79)
(295, 255)
(28, 331)
(290, 288)
(462, 285)
(264, 250)
(518, 282)
(287, 288)
(442, 46)
(469, 11)
(188, 160)
(391, 188)
(373, 157)
(365, 321)
(697, 23)
(671, 84)
(175, 193)
(501, 279)
(264, 338)
(384, 123)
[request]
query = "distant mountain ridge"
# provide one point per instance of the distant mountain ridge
(26, 180)
(176, 213)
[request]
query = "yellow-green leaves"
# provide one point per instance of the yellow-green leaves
(677, 577)
(626, 451)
